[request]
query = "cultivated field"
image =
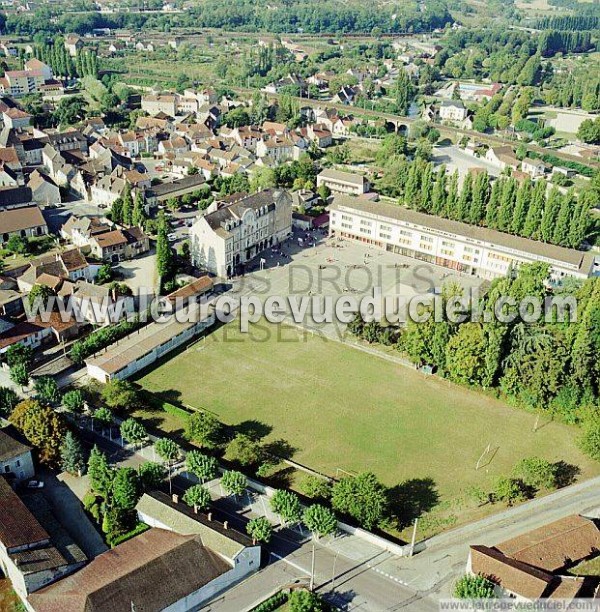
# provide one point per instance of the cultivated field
(342, 408)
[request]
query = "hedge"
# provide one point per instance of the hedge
(139, 528)
(273, 603)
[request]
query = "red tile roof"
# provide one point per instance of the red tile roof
(18, 527)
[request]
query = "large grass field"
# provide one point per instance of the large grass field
(342, 408)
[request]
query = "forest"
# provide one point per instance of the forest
(312, 16)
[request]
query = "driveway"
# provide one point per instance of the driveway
(65, 502)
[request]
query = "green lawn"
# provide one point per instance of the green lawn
(342, 408)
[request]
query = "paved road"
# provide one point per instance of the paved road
(435, 569)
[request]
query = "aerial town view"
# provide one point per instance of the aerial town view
(299, 305)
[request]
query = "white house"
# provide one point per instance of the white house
(533, 167)
(15, 458)
(453, 110)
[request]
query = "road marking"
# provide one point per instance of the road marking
(294, 565)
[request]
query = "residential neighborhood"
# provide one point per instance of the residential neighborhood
(299, 305)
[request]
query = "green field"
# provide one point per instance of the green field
(342, 408)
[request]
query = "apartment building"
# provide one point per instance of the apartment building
(343, 182)
(225, 239)
(469, 249)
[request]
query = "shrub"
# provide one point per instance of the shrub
(315, 487)
(473, 587)
(536, 472)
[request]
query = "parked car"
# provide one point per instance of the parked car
(171, 237)
(35, 484)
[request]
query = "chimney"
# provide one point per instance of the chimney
(175, 498)
(226, 525)
(209, 516)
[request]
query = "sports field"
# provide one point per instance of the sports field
(342, 408)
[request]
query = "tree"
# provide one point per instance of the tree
(287, 505)
(589, 441)
(522, 205)
(42, 427)
(164, 254)
(126, 488)
(138, 216)
(202, 466)
(133, 431)
(167, 450)
(151, 474)
(304, 601)
(263, 178)
(19, 375)
(244, 450)
(564, 219)
(320, 520)
(203, 429)
(38, 297)
(19, 353)
(315, 487)
(234, 482)
(127, 204)
(324, 192)
(103, 415)
(259, 529)
(508, 490)
(465, 354)
(70, 110)
(8, 400)
(474, 587)
(100, 473)
(402, 93)
(198, 497)
(362, 497)
(73, 400)
(46, 389)
(533, 219)
(589, 131)
(17, 244)
(119, 395)
(72, 456)
(536, 472)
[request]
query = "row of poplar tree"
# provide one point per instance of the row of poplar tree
(524, 208)
(85, 63)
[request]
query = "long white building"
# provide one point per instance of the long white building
(237, 231)
(466, 248)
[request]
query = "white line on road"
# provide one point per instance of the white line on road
(294, 565)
